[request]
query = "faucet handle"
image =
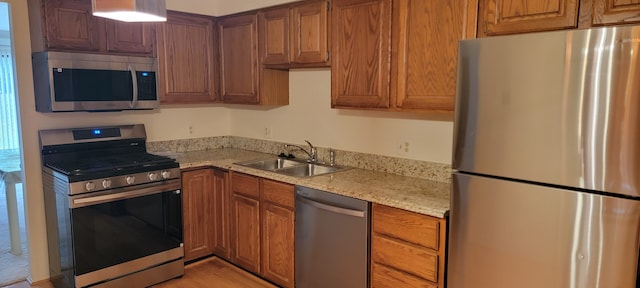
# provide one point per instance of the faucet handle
(314, 154)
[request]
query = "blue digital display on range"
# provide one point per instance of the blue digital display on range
(145, 74)
(97, 132)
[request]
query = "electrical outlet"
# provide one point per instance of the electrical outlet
(268, 132)
(404, 147)
(190, 129)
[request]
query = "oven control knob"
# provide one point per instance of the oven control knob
(153, 176)
(106, 183)
(166, 174)
(90, 186)
(130, 180)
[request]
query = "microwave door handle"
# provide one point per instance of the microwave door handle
(134, 78)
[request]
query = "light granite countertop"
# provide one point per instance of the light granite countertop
(412, 194)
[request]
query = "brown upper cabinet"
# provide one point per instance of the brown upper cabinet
(516, 16)
(68, 25)
(187, 58)
(274, 34)
(243, 80)
(309, 28)
(398, 55)
(499, 17)
(361, 37)
(607, 12)
(295, 35)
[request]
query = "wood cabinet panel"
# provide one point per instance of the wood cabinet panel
(405, 257)
(279, 193)
(361, 37)
(616, 12)
(411, 227)
(424, 62)
(269, 229)
(309, 32)
(197, 203)
(239, 59)
(246, 232)
(187, 60)
(499, 17)
(130, 38)
(221, 194)
(245, 184)
(274, 36)
(69, 25)
(383, 276)
(277, 244)
(407, 248)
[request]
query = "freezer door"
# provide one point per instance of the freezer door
(511, 234)
(556, 107)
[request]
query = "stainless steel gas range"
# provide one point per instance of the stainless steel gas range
(114, 211)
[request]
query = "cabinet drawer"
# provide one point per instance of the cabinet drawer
(245, 184)
(408, 226)
(384, 276)
(405, 257)
(278, 193)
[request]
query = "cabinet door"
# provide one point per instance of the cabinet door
(517, 16)
(186, 58)
(221, 245)
(197, 203)
(69, 25)
(277, 244)
(361, 35)
(274, 36)
(309, 33)
(616, 12)
(425, 45)
(245, 250)
(239, 57)
(130, 38)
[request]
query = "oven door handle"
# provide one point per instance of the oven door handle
(111, 197)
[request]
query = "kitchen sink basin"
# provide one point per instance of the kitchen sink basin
(270, 164)
(291, 167)
(308, 170)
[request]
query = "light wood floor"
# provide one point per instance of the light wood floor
(211, 272)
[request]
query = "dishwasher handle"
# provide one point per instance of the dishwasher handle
(331, 208)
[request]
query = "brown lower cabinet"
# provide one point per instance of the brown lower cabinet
(262, 225)
(407, 249)
(205, 213)
(249, 221)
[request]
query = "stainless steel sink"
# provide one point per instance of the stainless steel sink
(270, 164)
(291, 167)
(308, 170)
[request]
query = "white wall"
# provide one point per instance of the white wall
(309, 117)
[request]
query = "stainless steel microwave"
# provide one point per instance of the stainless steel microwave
(92, 82)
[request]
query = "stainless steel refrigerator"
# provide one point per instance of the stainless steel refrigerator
(547, 158)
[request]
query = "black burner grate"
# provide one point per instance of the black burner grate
(115, 163)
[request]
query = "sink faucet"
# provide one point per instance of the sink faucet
(313, 153)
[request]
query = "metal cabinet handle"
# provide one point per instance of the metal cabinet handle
(331, 208)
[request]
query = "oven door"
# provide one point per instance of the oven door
(125, 231)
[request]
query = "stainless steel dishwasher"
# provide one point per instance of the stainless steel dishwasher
(332, 240)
